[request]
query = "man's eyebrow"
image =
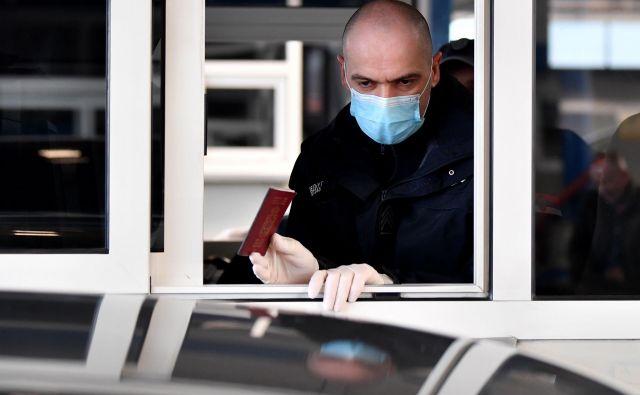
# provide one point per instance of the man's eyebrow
(360, 77)
(408, 76)
(402, 77)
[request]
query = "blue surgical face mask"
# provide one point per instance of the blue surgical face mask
(387, 120)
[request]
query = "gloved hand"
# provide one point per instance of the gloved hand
(344, 283)
(285, 262)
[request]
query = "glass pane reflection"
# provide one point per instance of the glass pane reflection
(240, 117)
(307, 353)
(587, 146)
(55, 327)
(525, 376)
(258, 50)
(157, 126)
(52, 133)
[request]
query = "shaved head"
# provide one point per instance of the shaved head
(388, 15)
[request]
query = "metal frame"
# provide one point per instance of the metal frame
(265, 291)
(482, 144)
(125, 267)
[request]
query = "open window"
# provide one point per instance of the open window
(269, 83)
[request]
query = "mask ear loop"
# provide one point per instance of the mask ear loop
(428, 83)
(346, 78)
(424, 90)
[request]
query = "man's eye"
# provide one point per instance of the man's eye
(365, 84)
(406, 82)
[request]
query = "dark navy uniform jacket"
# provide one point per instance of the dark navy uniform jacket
(406, 209)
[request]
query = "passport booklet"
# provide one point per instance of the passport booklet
(266, 222)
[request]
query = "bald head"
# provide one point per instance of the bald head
(387, 52)
(384, 16)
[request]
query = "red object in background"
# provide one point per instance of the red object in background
(551, 204)
(269, 215)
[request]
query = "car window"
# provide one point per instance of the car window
(526, 376)
(57, 328)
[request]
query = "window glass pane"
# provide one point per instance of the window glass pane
(157, 128)
(322, 99)
(240, 117)
(244, 51)
(52, 126)
(522, 375)
(587, 211)
(307, 353)
(56, 328)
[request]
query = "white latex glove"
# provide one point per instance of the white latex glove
(285, 262)
(344, 283)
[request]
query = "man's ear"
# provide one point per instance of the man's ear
(343, 77)
(435, 69)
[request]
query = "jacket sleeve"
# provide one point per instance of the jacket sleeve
(302, 223)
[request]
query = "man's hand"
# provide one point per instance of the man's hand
(285, 262)
(344, 283)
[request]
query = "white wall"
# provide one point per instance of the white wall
(228, 205)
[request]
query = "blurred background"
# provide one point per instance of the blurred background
(586, 164)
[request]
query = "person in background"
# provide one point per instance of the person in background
(457, 61)
(385, 191)
(605, 253)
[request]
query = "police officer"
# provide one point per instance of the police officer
(384, 192)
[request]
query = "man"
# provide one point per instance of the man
(604, 247)
(384, 193)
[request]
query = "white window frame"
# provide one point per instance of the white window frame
(125, 268)
(284, 77)
(510, 310)
(184, 275)
(180, 265)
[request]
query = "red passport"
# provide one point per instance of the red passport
(273, 207)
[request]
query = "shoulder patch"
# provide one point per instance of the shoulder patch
(315, 188)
